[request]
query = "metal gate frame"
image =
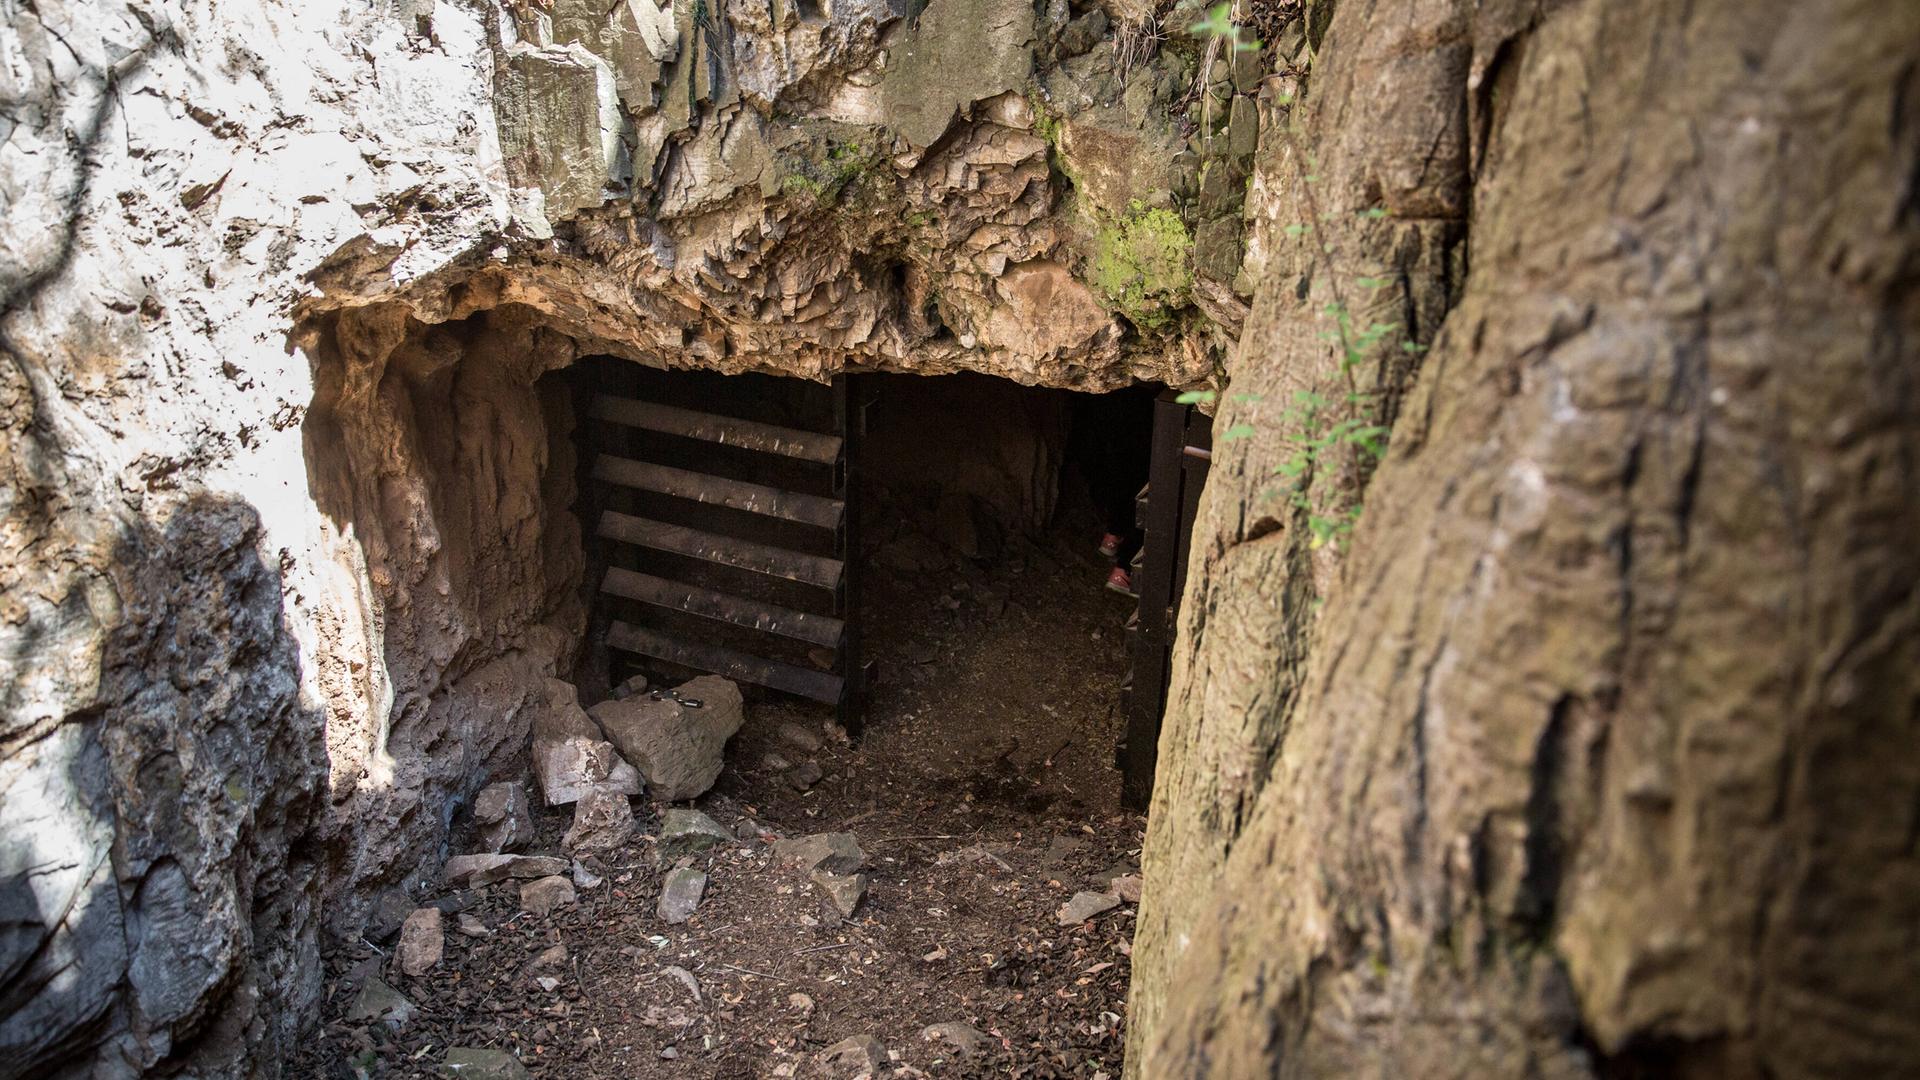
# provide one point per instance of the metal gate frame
(1182, 454)
(834, 579)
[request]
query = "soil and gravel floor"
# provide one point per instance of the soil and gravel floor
(984, 796)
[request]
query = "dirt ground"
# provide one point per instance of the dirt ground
(984, 796)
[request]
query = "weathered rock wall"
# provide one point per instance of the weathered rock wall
(284, 538)
(1593, 753)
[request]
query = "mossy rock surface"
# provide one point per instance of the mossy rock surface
(1143, 265)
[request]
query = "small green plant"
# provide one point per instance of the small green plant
(1218, 25)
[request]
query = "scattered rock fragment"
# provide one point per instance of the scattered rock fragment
(680, 895)
(853, 1056)
(377, 1001)
(602, 821)
(473, 1063)
(1086, 905)
(775, 761)
(686, 979)
(543, 896)
(422, 941)
(634, 685)
(1126, 887)
(836, 853)
(585, 876)
(485, 869)
(678, 748)
(505, 819)
(570, 755)
(689, 832)
(390, 910)
(844, 891)
(964, 1037)
(915, 554)
(1060, 852)
(455, 902)
(550, 958)
(803, 776)
(800, 735)
(471, 926)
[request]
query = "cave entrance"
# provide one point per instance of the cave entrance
(919, 556)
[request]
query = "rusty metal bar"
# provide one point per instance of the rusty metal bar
(724, 550)
(822, 630)
(815, 510)
(815, 685)
(725, 430)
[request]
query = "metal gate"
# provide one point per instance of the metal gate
(1182, 453)
(724, 538)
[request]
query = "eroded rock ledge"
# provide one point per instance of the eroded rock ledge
(801, 192)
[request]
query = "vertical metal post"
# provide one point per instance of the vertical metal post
(1182, 443)
(849, 421)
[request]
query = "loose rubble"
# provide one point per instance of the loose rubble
(963, 1037)
(836, 853)
(543, 896)
(844, 891)
(853, 1056)
(505, 819)
(680, 895)
(1086, 905)
(470, 1063)
(421, 942)
(377, 1001)
(602, 820)
(485, 869)
(570, 755)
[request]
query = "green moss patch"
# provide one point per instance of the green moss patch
(1143, 265)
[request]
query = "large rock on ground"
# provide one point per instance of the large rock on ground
(678, 748)
(570, 756)
(689, 832)
(545, 895)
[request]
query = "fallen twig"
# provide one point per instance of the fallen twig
(825, 948)
(748, 971)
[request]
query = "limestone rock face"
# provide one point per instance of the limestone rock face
(1577, 757)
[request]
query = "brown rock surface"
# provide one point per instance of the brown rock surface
(1558, 766)
(422, 941)
(678, 748)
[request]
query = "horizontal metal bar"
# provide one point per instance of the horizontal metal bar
(769, 618)
(724, 550)
(725, 430)
(739, 666)
(813, 510)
